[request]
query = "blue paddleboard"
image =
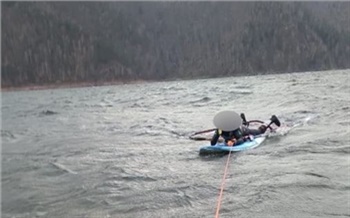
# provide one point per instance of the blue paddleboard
(223, 148)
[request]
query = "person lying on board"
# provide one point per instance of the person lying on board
(241, 134)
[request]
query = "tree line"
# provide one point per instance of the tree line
(72, 42)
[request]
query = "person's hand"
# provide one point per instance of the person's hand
(249, 137)
(231, 142)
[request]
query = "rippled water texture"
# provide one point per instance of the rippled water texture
(123, 151)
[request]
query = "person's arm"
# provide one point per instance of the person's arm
(215, 137)
(239, 141)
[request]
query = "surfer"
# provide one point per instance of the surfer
(230, 127)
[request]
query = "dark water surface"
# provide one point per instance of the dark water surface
(123, 151)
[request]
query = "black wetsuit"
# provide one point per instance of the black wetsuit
(239, 134)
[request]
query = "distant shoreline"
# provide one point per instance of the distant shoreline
(111, 83)
(69, 85)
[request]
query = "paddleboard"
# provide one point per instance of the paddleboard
(223, 148)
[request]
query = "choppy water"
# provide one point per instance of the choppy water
(123, 151)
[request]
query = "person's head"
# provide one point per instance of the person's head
(227, 120)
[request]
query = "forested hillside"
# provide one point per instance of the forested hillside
(71, 42)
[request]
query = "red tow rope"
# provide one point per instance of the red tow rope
(222, 186)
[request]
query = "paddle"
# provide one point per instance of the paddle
(199, 138)
(244, 119)
(204, 131)
(203, 139)
(273, 119)
(268, 126)
(200, 132)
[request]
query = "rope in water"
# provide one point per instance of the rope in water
(222, 186)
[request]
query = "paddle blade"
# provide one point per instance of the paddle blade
(275, 120)
(244, 119)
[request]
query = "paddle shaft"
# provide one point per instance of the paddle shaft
(204, 131)
(209, 130)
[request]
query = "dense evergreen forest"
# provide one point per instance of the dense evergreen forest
(71, 42)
